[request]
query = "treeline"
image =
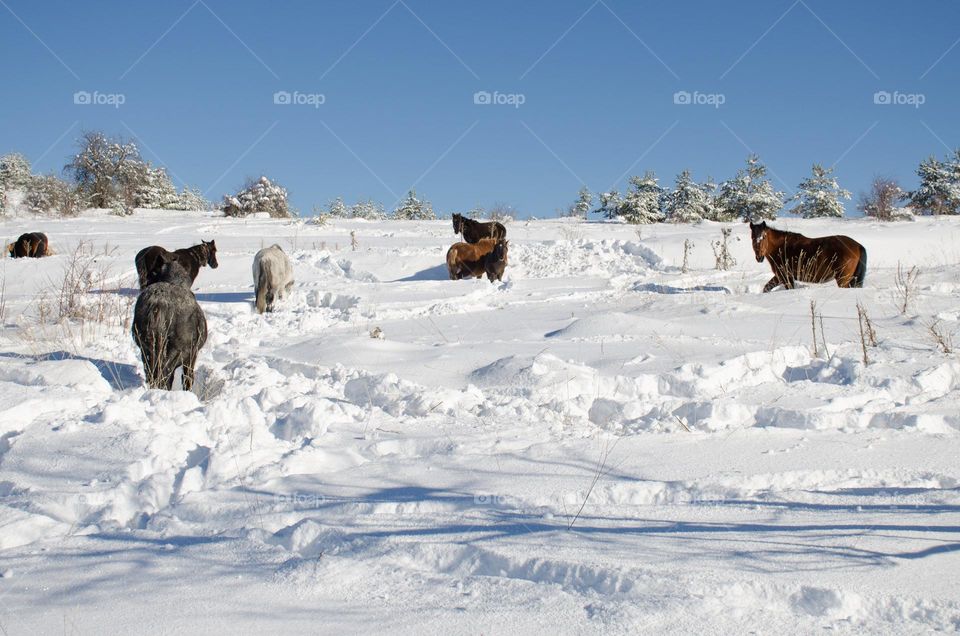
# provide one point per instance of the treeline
(750, 195)
(110, 173)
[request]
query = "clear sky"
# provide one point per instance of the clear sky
(596, 79)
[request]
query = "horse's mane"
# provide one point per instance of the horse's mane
(784, 233)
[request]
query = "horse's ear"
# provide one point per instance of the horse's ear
(763, 224)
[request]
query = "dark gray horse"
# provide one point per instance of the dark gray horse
(169, 327)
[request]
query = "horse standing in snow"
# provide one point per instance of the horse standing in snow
(794, 257)
(468, 260)
(496, 260)
(149, 260)
(29, 245)
(168, 326)
(272, 276)
(473, 231)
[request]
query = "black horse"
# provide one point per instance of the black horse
(169, 326)
(496, 261)
(150, 259)
(473, 231)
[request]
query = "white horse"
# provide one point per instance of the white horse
(272, 276)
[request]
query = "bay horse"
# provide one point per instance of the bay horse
(30, 245)
(169, 326)
(150, 259)
(496, 260)
(468, 260)
(473, 231)
(794, 257)
(272, 276)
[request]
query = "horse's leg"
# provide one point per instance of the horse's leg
(772, 283)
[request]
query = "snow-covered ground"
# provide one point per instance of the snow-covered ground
(601, 443)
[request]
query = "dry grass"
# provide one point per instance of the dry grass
(906, 287)
(724, 260)
(942, 338)
(868, 336)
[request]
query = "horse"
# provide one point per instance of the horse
(468, 260)
(496, 260)
(473, 231)
(148, 260)
(29, 245)
(795, 257)
(272, 276)
(169, 326)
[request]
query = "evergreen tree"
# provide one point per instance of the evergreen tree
(369, 209)
(641, 203)
(819, 195)
(337, 209)
(749, 195)
(689, 202)
(259, 195)
(939, 191)
(583, 204)
(413, 208)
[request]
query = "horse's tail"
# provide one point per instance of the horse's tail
(453, 265)
(262, 284)
(860, 274)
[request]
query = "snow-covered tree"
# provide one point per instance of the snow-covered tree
(106, 170)
(369, 209)
(939, 191)
(260, 195)
(413, 208)
(191, 200)
(610, 203)
(881, 201)
(749, 195)
(583, 204)
(689, 202)
(819, 195)
(337, 209)
(643, 201)
(14, 171)
(152, 188)
(48, 194)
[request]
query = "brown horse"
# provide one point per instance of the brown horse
(473, 231)
(149, 260)
(30, 245)
(794, 257)
(468, 260)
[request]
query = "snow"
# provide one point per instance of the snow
(601, 443)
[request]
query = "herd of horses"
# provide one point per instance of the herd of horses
(169, 326)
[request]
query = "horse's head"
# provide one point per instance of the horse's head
(499, 253)
(211, 250)
(760, 236)
(457, 223)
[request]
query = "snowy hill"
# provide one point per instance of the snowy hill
(602, 443)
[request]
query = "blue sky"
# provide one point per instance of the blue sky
(398, 79)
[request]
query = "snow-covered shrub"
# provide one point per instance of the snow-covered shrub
(819, 195)
(48, 194)
(337, 209)
(260, 195)
(151, 188)
(191, 199)
(503, 212)
(413, 208)
(749, 195)
(14, 175)
(107, 171)
(582, 206)
(881, 201)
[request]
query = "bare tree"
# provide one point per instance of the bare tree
(106, 171)
(881, 201)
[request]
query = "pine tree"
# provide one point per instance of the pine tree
(337, 209)
(412, 208)
(369, 210)
(260, 195)
(819, 195)
(642, 203)
(749, 195)
(583, 204)
(689, 202)
(939, 191)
